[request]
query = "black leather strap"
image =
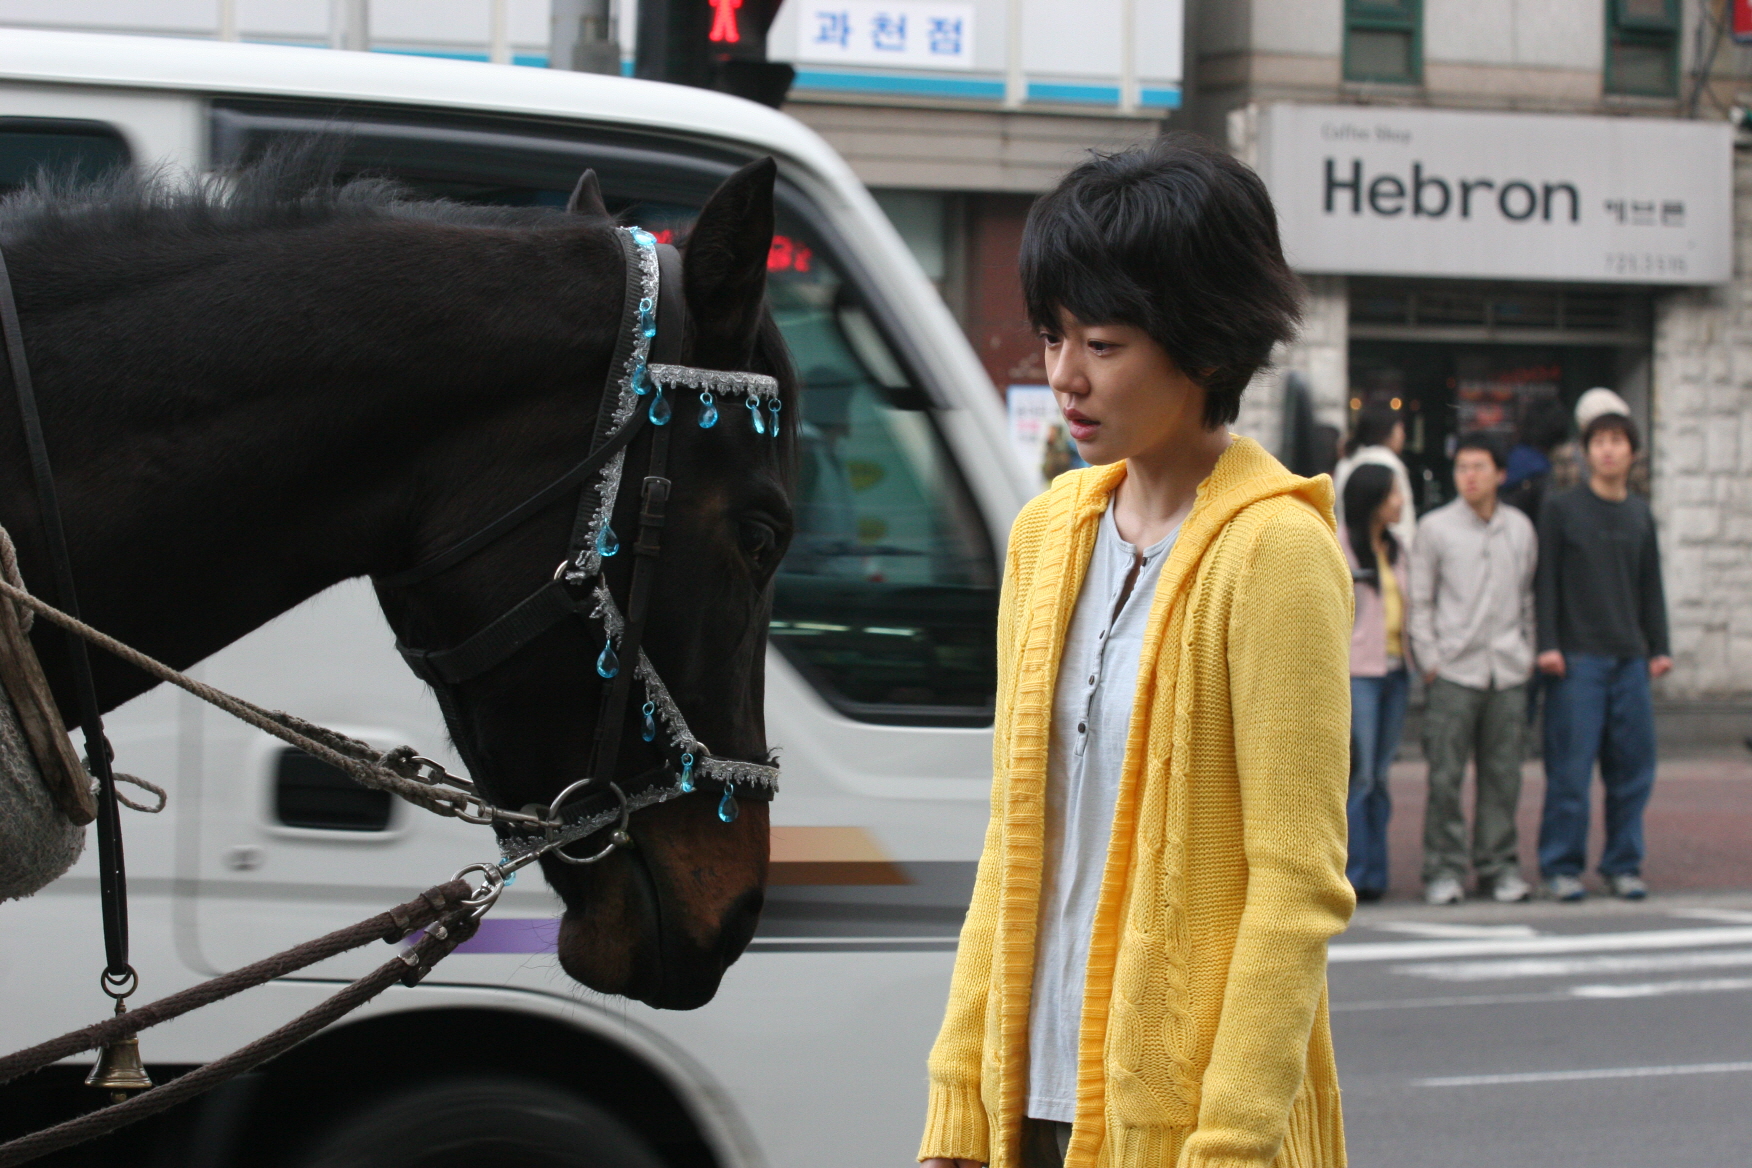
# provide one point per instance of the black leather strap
(112, 876)
(462, 549)
(540, 611)
(670, 343)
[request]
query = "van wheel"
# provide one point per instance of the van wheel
(467, 1123)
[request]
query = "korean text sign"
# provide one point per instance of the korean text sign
(911, 33)
(1371, 190)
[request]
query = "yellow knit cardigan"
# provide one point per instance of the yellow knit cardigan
(1205, 1039)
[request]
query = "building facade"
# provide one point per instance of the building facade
(1492, 202)
(1610, 249)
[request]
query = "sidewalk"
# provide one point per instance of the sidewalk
(1699, 824)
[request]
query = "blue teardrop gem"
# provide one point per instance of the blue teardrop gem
(773, 406)
(607, 542)
(660, 409)
(650, 722)
(708, 410)
(753, 404)
(608, 661)
(639, 386)
(727, 808)
(687, 783)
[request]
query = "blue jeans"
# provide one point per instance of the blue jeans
(1600, 708)
(1377, 718)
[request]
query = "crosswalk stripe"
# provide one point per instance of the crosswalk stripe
(1655, 989)
(1340, 953)
(1503, 969)
(1573, 1076)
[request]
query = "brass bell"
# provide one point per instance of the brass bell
(118, 1068)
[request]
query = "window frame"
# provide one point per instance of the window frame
(666, 169)
(1624, 29)
(1367, 16)
(71, 128)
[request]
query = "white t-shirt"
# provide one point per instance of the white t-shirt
(1091, 717)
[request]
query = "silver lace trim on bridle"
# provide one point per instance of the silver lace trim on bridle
(730, 772)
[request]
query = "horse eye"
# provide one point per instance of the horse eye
(759, 541)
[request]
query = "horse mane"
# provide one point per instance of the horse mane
(291, 186)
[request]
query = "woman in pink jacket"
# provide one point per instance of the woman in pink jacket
(1379, 678)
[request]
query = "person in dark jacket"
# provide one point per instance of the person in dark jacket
(1602, 621)
(1543, 428)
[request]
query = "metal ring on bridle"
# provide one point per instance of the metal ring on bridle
(618, 838)
(112, 984)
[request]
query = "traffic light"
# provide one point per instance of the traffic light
(712, 44)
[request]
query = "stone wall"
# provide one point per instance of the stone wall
(1320, 354)
(1701, 470)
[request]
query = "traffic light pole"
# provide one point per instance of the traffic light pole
(582, 38)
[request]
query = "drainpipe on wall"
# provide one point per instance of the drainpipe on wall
(350, 25)
(1015, 86)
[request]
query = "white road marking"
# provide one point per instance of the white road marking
(1506, 969)
(1653, 989)
(1732, 916)
(1453, 932)
(1573, 1076)
(1586, 993)
(1514, 946)
(1434, 1003)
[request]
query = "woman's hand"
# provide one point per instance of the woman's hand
(1551, 662)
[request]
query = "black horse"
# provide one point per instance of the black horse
(253, 390)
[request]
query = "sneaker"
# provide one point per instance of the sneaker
(1444, 890)
(1510, 888)
(1565, 888)
(1627, 886)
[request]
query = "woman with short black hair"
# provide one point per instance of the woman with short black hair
(1141, 976)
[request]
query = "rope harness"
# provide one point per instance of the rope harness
(653, 326)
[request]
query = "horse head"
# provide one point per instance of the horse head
(661, 919)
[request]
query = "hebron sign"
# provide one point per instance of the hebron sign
(1437, 193)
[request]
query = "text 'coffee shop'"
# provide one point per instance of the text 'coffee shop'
(1487, 263)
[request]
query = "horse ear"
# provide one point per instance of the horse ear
(587, 197)
(724, 274)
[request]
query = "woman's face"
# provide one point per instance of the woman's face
(1120, 393)
(1391, 506)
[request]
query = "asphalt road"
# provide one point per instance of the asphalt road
(1604, 1035)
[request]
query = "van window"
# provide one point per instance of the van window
(60, 146)
(887, 600)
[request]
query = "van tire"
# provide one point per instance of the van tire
(469, 1122)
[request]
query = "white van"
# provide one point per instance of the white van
(879, 682)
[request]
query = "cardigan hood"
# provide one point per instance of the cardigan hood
(1244, 475)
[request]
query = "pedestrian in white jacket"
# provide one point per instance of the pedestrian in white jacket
(1378, 438)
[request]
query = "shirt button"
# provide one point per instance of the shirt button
(1091, 679)
(1082, 727)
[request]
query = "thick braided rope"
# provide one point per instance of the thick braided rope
(426, 952)
(356, 759)
(393, 925)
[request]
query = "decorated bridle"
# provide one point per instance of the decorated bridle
(653, 327)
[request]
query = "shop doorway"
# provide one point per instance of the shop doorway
(1447, 390)
(1456, 357)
